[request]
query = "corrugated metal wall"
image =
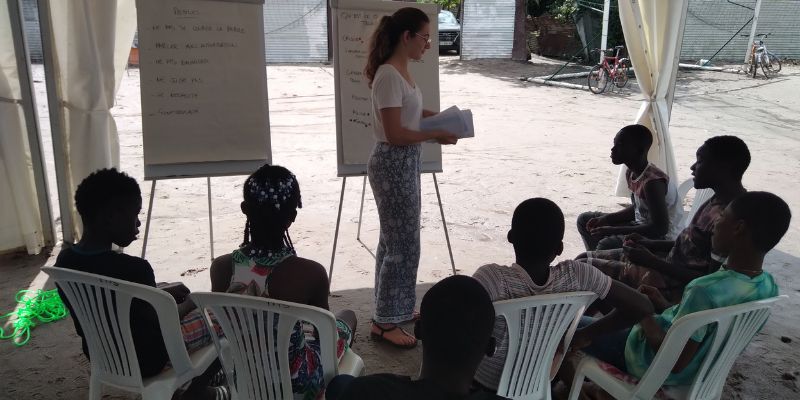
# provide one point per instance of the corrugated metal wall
(487, 29)
(32, 34)
(710, 23)
(296, 30)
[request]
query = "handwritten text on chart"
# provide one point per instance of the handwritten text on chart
(360, 121)
(365, 19)
(175, 80)
(185, 12)
(197, 28)
(194, 45)
(186, 47)
(181, 62)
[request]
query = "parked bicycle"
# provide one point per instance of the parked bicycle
(611, 68)
(759, 56)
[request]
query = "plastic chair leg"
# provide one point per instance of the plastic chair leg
(95, 389)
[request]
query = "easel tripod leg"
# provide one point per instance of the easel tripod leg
(361, 210)
(149, 214)
(336, 233)
(444, 224)
(210, 221)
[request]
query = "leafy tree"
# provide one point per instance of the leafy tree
(450, 5)
(562, 10)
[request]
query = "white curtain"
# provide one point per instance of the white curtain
(91, 41)
(20, 221)
(653, 34)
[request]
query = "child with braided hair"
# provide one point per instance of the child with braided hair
(266, 264)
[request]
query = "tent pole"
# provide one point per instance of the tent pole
(752, 31)
(56, 123)
(32, 122)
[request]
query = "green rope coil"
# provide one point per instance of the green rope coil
(34, 307)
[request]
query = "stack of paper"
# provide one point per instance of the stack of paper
(453, 120)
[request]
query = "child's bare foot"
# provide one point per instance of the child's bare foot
(393, 334)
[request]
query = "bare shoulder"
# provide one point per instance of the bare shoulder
(221, 272)
(310, 267)
(222, 263)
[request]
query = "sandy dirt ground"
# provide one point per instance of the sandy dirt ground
(531, 141)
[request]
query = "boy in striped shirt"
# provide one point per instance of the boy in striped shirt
(537, 231)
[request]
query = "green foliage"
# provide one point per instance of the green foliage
(562, 10)
(450, 5)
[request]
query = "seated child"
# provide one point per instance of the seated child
(448, 361)
(537, 230)
(669, 265)
(746, 230)
(109, 202)
(655, 209)
(266, 265)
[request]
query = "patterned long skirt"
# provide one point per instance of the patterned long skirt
(394, 178)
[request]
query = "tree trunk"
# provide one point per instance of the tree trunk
(520, 50)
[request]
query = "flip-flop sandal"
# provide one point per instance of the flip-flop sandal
(383, 330)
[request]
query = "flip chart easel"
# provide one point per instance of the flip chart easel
(360, 215)
(204, 92)
(150, 214)
(353, 22)
(198, 170)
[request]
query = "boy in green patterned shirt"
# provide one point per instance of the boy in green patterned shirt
(745, 231)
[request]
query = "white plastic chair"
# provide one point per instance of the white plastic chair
(111, 349)
(700, 197)
(255, 359)
(735, 328)
(536, 326)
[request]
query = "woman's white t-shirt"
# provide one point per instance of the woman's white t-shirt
(390, 89)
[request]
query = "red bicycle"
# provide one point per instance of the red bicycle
(610, 68)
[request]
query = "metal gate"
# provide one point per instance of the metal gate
(487, 29)
(32, 34)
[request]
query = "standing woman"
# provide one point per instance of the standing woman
(394, 167)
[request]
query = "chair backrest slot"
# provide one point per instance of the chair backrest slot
(255, 346)
(535, 326)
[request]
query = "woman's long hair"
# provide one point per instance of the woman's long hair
(387, 35)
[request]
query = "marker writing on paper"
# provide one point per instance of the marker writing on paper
(185, 12)
(360, 122)
(166, 113)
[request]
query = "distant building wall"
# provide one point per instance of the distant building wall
(32, 34)
(487, 29)
(295, 30)
(711, 23)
